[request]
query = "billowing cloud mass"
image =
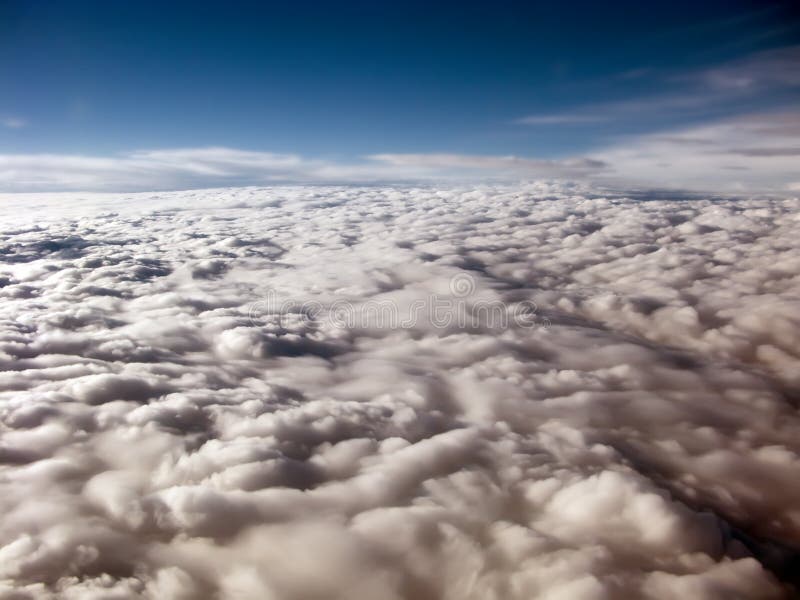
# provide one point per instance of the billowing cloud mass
(207, 395)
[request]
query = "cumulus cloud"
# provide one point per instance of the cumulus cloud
(180, 420)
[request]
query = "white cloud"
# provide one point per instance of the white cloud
(750, 153)
(753, 153)
(204, 167)
(163, 439)
(153, 169)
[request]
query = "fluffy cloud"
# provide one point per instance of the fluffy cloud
(182, 418)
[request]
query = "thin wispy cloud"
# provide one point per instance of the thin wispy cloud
(154, 169)
(203, 167)
(762, 72)
(13, 122)
(511, 165)
(628, 110)
(563, 119)
(760, 148)
(710, 92)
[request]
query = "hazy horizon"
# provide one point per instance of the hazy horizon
(154, 96)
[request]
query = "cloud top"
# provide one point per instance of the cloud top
(168, 433)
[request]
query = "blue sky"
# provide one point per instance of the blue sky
(336, 84)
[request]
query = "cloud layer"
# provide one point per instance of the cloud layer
(755, 154)
(163, 439)
(198, 167)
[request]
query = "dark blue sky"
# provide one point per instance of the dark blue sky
(341, 79)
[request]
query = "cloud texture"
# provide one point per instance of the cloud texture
(162, 439)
